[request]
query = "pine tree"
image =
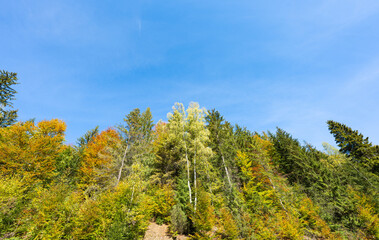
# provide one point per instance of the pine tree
(7, 79)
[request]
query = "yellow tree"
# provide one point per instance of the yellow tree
(31, 150)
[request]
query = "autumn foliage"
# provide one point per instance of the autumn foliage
(197, 173)
(30, 150)
(97, 154)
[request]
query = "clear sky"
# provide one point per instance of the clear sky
(262, 64)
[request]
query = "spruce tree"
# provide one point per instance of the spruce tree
(8, 116)
(355, 145)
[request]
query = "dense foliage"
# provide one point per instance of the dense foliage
(196, 172)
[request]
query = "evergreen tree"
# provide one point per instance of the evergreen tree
(325, 179)
(355, 145)
(7, 79)
(88, 137)
(137, 129)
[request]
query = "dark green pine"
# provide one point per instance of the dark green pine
(355, 145)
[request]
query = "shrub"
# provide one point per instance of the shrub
(163, 201)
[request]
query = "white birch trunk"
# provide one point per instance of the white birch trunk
(188, 170)
(122, 165)
(188, 177)
(226, 170)
(194, 177)
(273, 186)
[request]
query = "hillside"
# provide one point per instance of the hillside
(196, 175)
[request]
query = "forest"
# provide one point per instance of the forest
(201, 175)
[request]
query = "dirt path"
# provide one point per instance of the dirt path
(159, 232)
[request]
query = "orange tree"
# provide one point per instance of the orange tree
(98, 155)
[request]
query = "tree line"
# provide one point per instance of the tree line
(198, 173)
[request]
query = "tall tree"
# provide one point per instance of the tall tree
(137, 133)
(178, 134)
(97, 155)
(168, 161)
(183, 143)
(355, 145)
(221, 142)
(7, 115)
(198, 139)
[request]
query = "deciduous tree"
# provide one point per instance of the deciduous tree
(31, 150)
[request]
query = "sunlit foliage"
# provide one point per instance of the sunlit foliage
(197, 173)
(30, 150)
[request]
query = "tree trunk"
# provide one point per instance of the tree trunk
(273, 186)
(122, 165)
(188, 175)
(194, 179)
(226, 169)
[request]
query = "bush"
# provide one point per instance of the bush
(163, 202)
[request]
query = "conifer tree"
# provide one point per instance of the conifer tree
(7, 115)
(355, 145)
(88, 137)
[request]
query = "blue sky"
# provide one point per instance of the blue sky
(262, 64)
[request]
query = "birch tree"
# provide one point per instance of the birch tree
(177, 133)
(198, 138)
(186, 139)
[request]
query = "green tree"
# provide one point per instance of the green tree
(355, 145)
(325, 179)
(137, 133)
(168, 149)
(221, 142)
(7, 115)
(88, 137)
